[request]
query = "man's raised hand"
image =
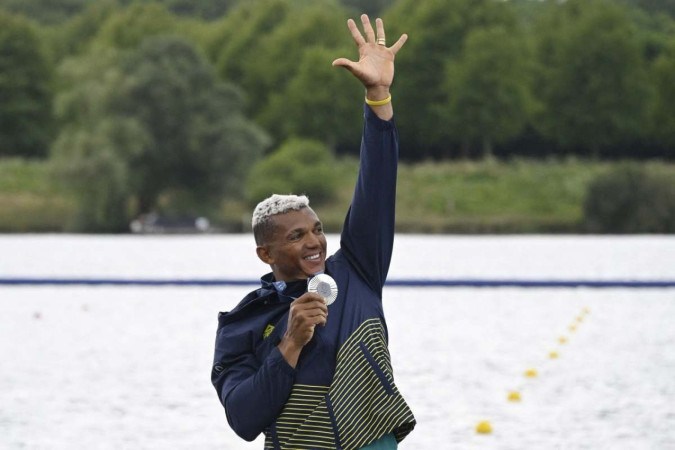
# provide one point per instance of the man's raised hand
(375, 67)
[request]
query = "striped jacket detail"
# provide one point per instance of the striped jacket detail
(361, 405)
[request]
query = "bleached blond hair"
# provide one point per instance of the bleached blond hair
(261, 222)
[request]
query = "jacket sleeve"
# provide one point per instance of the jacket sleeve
(252, 392)
(368, 233)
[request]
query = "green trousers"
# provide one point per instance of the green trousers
(386, 442)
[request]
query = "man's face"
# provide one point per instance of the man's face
(298, 248)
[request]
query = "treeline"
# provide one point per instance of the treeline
(145, 105)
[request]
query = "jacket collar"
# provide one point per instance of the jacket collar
(285, 290)
(267, 294)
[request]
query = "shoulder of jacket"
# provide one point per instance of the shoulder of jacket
(242, 308)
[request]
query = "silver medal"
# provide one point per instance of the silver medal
(325, 286)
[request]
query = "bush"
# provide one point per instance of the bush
(299, 166)
(630, 199)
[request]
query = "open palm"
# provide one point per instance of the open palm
(375, 67)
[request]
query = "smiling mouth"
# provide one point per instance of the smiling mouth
(315, 257)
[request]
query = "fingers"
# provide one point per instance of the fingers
(343, 62)
(356, 34)
(379, 25)
(370, 36)
(306, 312)
(368, 28)
(309, 308)
(309, 297)
(397, 46)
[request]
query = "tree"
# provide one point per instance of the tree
(309, 106)
(201, 141)
(592, 81)
(279, 53)
(438, 30)
(205, 9)
(44, 11)
(185, 130)
(25, 90)
(127, 28)
(300, 166)
(237, 37)
(371, 7)
(266, 48)
(654, 6)
(663, 74)
(76, 34)
(489, 87)
(92, 152)
(94, 164)
(630, 199)
(56, 12)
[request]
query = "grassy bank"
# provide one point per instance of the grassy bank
(487, 197)
(29, 200)
(520, 196)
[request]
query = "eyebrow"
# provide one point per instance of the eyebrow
(302, 230)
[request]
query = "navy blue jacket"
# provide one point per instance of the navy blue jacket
(341, 394)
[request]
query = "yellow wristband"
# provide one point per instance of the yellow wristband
(378, 102)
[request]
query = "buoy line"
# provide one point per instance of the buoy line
(403, 282)
(515, 395)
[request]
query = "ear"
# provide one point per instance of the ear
(264, 254)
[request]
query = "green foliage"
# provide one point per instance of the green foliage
(281, 52)
(306, 107)
(488, 196)
(76, 34)
(127, 28)
(146, 122)
(437, 33)
(90, 155)
(275, 62)
(45, 11)
(164, 131)
(105, 23)
(664, 107)
(25, 90)
(236, 39)
(481, 197)
(489, 87)
(631, 200)
(29, 200)
(206, 9)
(299, 166)
(371, 7)
(59, 11)
(201, 141)
(592, 77)
(93, 163)
(654, 6)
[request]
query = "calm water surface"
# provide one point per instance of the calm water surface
(128, 368)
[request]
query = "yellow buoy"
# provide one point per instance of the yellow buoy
(531, 373)
(553, 355)
(562, 340)
(573, 328)
(580, 319)
(484, 427)
(514, 396)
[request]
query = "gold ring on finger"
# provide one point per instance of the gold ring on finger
(381, 41)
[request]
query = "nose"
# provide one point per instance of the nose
(312, 241)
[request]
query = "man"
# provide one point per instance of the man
(308, 375)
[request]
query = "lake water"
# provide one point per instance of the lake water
(128, 367)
